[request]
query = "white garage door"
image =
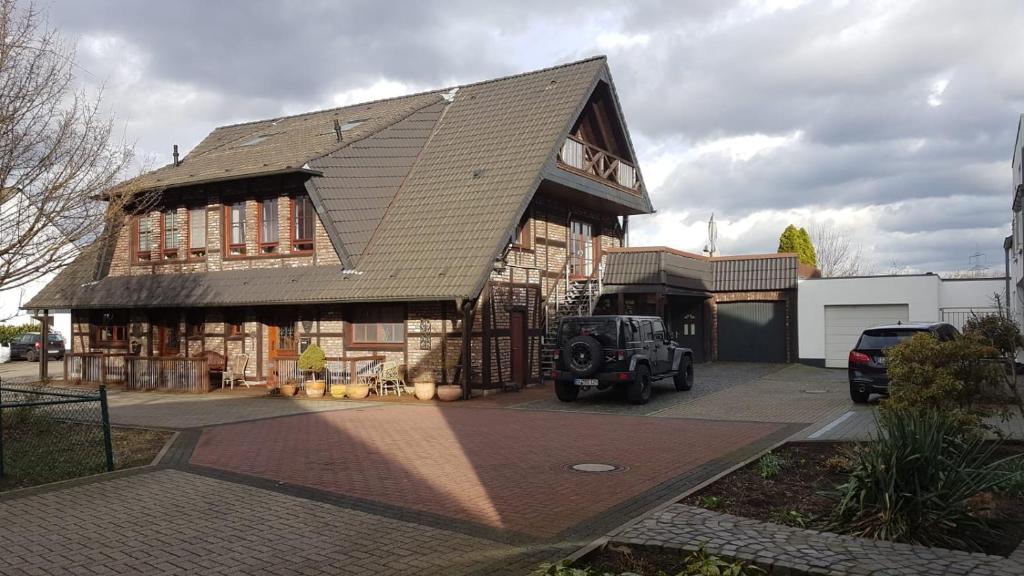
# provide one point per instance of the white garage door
(843, 325)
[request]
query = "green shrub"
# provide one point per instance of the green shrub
(313, 359)
(769, 465)
(9, 333)
(926, 373)
(1012, 482)
(712, 502)
(790, 518)
(919, 481)
(700, 563)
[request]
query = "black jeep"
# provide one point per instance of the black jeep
(628, 352)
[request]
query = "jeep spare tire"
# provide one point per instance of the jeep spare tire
(583, 355)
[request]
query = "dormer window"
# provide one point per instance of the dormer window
(170, 237)
(197, 232)
(143, 238)
(268, 229)
(302, 224)
(235, 228)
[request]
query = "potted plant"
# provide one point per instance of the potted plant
(313, 361)
(449, 392)
(358, 390)
(424, 390)
(338, 390)
(289, 388)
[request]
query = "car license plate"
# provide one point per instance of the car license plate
(880, 360)
(586, 381)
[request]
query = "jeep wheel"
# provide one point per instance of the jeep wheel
(584, 355)
(858, 396)
(640, 391)
(684, 378)
(31, 356)
(566, 391)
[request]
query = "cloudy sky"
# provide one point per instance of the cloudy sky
(894, 121)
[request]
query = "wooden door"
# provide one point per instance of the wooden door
(169, 337)
(282, 341)
(581, 249)
(517, 329)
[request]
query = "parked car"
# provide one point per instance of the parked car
(628, 352)
(28, 346)
(866, 366)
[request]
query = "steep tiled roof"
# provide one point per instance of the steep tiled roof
(419, 199)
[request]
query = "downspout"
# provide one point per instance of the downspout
(1007, 247)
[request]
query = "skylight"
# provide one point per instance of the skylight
(351, 124)
(254, 141)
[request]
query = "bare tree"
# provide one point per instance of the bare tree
(837, 254)
(58, 157)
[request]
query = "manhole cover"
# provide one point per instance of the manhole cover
(590, 467)
(815, 391)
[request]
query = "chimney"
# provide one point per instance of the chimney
(337, 129)
(176, 161)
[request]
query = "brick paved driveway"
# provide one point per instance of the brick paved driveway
(504, 469)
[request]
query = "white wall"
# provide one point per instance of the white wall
(919, 292)
(926, 295)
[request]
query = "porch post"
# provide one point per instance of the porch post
(467, 361)
(44, 347)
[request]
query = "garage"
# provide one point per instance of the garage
(844, 324)
(752, 331)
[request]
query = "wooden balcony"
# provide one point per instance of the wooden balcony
(597, 164)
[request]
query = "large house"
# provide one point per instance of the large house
(380, 231)
(1014, 244)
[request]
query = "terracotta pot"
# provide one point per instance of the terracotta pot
(338, 390)
(424, 390)
(289, 389)
(315, 388)
(449, 393)
(358, 391)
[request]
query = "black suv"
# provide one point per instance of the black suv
(866, 366)
(628, 352)
(29, 346)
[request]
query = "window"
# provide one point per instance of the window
(268, 226)
(646, 333)
(234, 326)
(524, 233)
(378, 325)
(302, 224)
(195, 323)
(197, 231)
(169, 224)
(236, 228)
(285, 337)
(109, 328)
(143, 237)
(659, 330)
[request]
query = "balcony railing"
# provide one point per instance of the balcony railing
(598, 164)
(167, 373)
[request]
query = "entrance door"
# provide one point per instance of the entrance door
(517, 328)
(282, 341)
(169, 336)
(581, 249)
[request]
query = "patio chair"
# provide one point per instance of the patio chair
(235, 371)
(391, 377)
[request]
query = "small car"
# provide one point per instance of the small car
(28, 346)
(627, 352)
(866, 364)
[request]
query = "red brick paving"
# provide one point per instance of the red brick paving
(501, 468)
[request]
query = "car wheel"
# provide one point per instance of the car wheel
(857, 396)
(566, 391)
(684, 378)
(31, 356)
(640, 391)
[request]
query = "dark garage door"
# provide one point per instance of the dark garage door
(752, 331)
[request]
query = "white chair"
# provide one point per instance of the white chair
(236, 371)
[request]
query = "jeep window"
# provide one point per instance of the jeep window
(645, 330)
(605, 330)
(659, 330)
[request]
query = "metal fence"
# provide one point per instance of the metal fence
(49, 433)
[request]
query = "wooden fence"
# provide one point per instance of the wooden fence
(94, 368)
(336, 370)
(167, 373)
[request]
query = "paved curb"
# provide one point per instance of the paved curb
(603, 540)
